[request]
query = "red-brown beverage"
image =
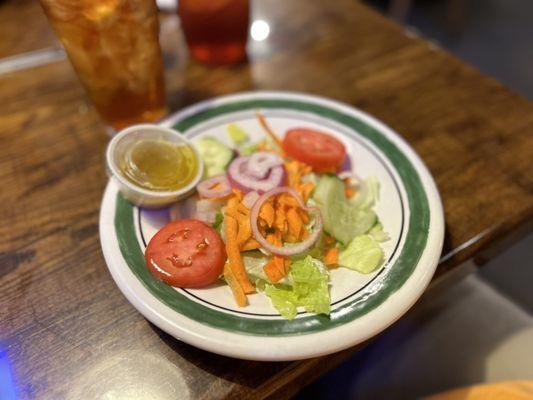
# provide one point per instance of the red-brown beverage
(216, 31)
(113, 46)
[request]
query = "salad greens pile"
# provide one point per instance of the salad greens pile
(350, 225)
(358, 232)
(307, 287)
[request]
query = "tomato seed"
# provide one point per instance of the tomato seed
(182, 234)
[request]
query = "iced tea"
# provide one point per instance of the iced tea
(216, 31)
(113, 46)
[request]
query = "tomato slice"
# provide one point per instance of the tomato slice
(320, 150)
(187, 253)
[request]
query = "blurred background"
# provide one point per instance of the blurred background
(481, 330)
(493, 35)
(438, 346)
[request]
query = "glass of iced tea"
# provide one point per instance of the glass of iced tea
(114, 48)
(216, 31)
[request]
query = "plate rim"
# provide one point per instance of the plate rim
(414, 285)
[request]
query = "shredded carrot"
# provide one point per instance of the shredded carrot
(242, 209)
(245, 232)
(303, 216)
(280, 219)
(286, 199)
(272, 271)
(274, 238)
(280, 264)
(293, 173)
(238, 194)
(277, 268)
(295, 223)
(267, 213)
(331, 257)
(268, 130)
(232, 212)
(232, 250)
(250, 244)
(288, 263)
(271, 238)
(305, 189)
(329, 239)
(241, 214)
(290, 238)
(349, 192)
(236, 289)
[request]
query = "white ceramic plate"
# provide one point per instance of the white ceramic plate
(362, 305)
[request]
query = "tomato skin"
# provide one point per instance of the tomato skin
(186, 253)
(320, 150)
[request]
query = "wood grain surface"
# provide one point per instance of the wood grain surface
(65, 329)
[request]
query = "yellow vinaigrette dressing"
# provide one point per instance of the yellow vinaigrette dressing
(159, 164)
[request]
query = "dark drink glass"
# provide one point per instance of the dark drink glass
(216, 31)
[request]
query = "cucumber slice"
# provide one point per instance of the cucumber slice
(342, 220)
(237, 134)
(215, 154)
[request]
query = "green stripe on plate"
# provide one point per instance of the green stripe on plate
(369, 299)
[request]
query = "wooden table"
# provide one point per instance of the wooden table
(65, 329)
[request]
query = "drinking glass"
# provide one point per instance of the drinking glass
(114, 48)
(216, 31)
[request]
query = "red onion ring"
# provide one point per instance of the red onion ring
(249, 199)
(261, 162)
(217, 186)
(240, 179)
(183, 209)
(284, 250)
(206, 216)
(206, 205)
(345, 175)
(346, 164)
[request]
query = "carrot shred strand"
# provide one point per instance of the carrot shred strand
(233, 251)
(236, 289)
(269, 131)
(331, 257)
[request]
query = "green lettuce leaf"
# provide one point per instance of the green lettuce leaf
(219, 218)
(308, 288)
(378, 233)
(253, 262)
(363, 254)
(284, 300)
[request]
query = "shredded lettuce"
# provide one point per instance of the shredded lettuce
(237, 134)
(308, 288)
(219, 218)
(378, 233)
(253, 262)
(313, 251)
(363, 254)
(284, 299)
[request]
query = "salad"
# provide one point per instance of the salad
(272, 217)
